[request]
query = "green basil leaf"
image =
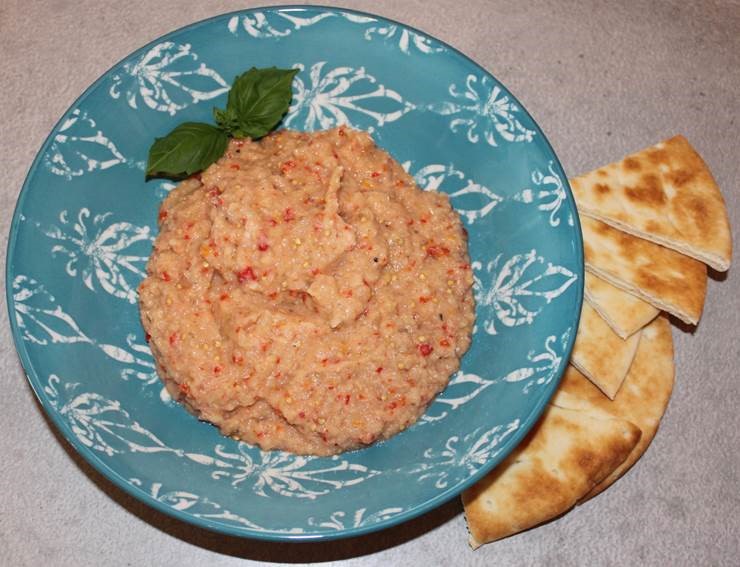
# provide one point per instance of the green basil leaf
(189, 148)
(257, 102)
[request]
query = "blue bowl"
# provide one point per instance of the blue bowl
(83, 230)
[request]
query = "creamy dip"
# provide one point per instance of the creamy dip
(305, 295)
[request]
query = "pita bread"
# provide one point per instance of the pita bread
(664, 278)
(664, 193)
(624, 312)
(602, 355)
(642, 399)
(562, 459)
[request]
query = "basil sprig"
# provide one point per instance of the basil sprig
(257, 101)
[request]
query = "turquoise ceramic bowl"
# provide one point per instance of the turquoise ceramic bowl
(85, 221)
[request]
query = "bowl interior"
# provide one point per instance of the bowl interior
(86, 218)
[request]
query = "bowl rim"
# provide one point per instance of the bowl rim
(124, 484)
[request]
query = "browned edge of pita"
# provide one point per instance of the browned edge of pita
(642, 399)
(664, 278)
(664, 193)
(624, 313)
(561, 460)
(599, 353)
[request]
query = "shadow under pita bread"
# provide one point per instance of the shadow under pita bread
(715, 275)
(681, 325)
(258, 550)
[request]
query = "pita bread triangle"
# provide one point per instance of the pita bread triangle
(642, 400)
(602, 355)
(583, 443)
(561, 460)
(664, 278)
(625, 313)
(664, 193)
